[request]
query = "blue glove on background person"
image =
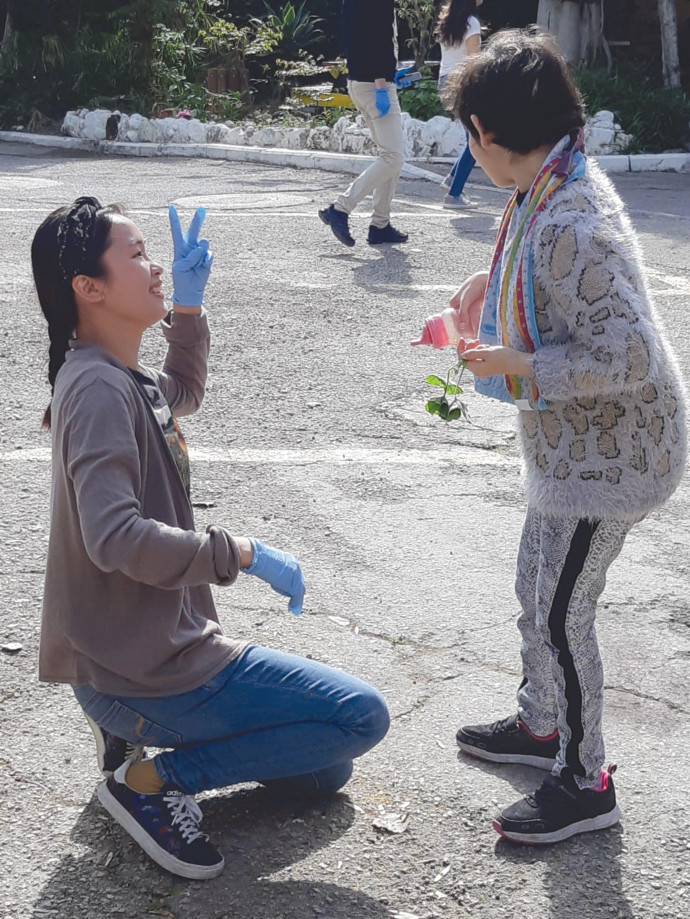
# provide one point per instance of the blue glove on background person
(399, 78)
(192, 261)
(383, 102)
(281, 570)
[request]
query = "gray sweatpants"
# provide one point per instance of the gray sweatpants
(561, 572)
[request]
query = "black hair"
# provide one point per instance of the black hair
(520, 89)
(69, 242)
(453, 20)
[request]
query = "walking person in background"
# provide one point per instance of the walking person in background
(459, 34)
(128, 615)
(372, 54)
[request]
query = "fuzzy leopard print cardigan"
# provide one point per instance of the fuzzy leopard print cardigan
(612, 439)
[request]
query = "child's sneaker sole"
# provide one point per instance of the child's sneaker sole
(602, 822)
(150, 846)
(539, 762)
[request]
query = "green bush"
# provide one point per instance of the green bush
(421, 100)
(657, 117)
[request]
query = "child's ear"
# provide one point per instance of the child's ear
(87, 288)
(486, 138)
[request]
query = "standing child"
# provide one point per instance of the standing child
(459, 35)
(568, 333)
(128, 616)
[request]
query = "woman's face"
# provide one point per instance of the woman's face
(132, 290)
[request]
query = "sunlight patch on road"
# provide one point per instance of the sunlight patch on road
(10, 181)
(334, 456)
(245, 202)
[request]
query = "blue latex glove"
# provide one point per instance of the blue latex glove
(399, 78)
(191, 259)
(383, 102)
(281, 571)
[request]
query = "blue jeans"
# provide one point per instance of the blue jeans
(460, 172)
(463, 165)
(285, 721)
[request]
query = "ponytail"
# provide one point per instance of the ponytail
(69, 242)
(60, 330)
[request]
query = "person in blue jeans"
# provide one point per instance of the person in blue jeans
(458, 32)
(128, 615)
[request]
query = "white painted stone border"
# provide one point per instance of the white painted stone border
(313, 159)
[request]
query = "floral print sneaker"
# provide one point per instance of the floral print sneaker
(165, 825)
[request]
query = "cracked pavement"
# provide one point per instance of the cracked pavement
(313, 437)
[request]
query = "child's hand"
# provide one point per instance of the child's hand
(468, 301)
(494, 360)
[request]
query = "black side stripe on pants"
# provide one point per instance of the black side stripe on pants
(572, 568)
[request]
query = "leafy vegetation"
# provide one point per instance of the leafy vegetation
(141, 54)
(219, 57)
(422, 101)
(657, 117)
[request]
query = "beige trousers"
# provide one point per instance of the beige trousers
(381, 178)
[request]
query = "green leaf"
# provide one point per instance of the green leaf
(454, 414)
(432, 407)
(435, 381)
(443, 410)
(453, 390)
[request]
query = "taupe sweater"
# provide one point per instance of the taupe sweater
(127, 605)
(612, 441)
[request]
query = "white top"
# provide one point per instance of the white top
(452, 55)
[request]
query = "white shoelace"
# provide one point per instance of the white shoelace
(186, 814)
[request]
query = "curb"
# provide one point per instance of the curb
(271, 156)
(314, 159)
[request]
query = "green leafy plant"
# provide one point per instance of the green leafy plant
(656, 116)
(296, 28)
(448, 406)
(420, 16)
(422, 101)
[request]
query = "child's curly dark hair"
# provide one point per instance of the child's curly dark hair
(519, 88)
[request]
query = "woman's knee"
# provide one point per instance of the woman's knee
(374, 719)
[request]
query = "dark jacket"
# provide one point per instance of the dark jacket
(369, 31)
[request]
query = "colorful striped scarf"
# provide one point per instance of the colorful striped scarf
(509, 299)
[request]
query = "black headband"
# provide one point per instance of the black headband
(75, 234)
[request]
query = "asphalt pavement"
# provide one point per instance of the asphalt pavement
(313, 437)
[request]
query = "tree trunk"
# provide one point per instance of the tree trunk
(577, 24)
(669, 42)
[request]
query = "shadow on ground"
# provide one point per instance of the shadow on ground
(584, 870)
(259, 837)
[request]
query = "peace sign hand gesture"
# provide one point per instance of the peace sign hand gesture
(192, 260)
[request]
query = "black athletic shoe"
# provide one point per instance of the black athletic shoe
(509, 741)
(338, 222)
(112, 751)
(166, 826)
(559, 810)
(387, 234)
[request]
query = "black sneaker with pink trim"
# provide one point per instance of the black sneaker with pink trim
(509, 741)
(560, 809)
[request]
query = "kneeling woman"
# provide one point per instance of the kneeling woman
(128, 617)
